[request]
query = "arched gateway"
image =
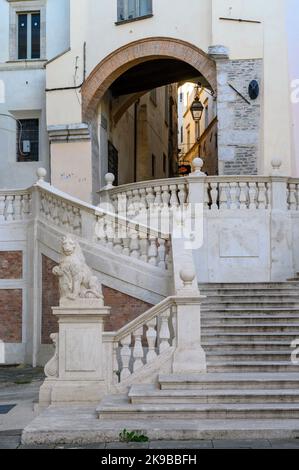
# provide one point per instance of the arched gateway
(137, 52)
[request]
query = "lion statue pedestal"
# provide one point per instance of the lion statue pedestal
(77, 372)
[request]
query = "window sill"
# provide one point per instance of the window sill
(132, 20)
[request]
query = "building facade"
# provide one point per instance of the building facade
(65, 80)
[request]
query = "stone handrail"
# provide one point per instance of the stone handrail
(113, 231)
(15, 205)
(140, 342)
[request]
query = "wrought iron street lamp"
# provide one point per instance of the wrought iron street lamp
(196, 111)
(197, 108)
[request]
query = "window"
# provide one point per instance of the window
(131, 9)
(182, 134)
(28, 140)
(29, 35)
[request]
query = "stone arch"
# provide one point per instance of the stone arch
(134, 53)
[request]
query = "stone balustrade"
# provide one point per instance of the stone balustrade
(134, 240)
(110, 230)
(15, 205)
(139, 343)
(242, 192)
(60, 213)
(133, 199)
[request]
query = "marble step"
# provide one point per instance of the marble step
(251, 328)
(244, 355)
(251, 366)
(220, 320)
(118, 407)
(150, 394)
(76, 424)
(292, 290)
(251, 304)
(230, 346)
(251, 298)
(249, 311)
(247, 285)
(252, 337)
(235, 381)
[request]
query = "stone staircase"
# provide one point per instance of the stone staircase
(247, 330)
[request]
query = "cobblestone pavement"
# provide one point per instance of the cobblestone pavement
(19, 386)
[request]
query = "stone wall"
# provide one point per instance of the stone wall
(11, 315)
(239, 119)
(11, 267)
(124, 308)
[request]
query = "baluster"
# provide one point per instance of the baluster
(101, 228)
(252, 195)
(143, 206)
(115, 364)
(143, 240)
(126, 246)
(214, 196)
(243, 196)
(138, 350)
(161, 253)
(168, 257)
(125, 354)
(76, 221)
(120, 204)
(158, 198)
(182, 194)
(223, 187)
(26, 206)
(2, 208)
(261, 196)
(150, 197)
(10, 208)
(165, 196)
(136, 201)
(292, 200)
(151, 336)
(134, 244)
(164, 334)
(173, 320)
(18, 208)
(131, 206)
(207, 200)
(110, 233)
(153, 251)
(233, 195)
(174, 201)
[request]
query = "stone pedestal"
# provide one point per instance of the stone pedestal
(76, 373)
(189, 356)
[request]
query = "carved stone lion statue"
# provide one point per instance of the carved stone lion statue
(76, 280)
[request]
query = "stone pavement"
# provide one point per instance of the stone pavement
(19, 386)
(12, 440)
